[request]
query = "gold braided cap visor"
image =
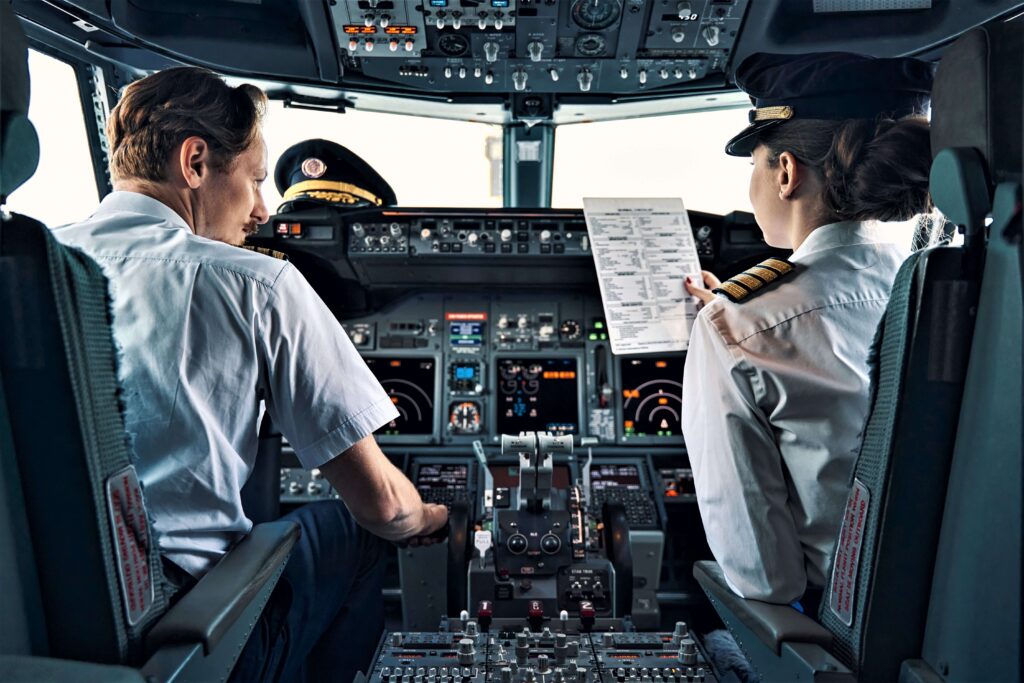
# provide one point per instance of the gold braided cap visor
(331, 190)
(781, 113)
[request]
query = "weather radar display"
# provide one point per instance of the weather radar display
(410, 384)
(652, 397)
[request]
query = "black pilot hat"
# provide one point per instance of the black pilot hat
(324, 172)
(827, 85)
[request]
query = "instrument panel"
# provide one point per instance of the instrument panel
(462, 367)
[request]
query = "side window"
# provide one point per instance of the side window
(63, 189)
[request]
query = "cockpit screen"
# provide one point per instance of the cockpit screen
(652, 396)
(538, 395)
(442, 476)
(615, 477)
(410, 384)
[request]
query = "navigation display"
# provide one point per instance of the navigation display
(410, 384)
(652, 397)
(538, 395)
(442, 476)
(615, 477)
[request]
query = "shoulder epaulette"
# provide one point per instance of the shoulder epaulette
(739, 287)
(265, 251)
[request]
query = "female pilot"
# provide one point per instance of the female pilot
(776, 380)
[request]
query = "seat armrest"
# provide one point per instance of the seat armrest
(772, 624)
(213, 605)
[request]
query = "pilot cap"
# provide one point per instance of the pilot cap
(324, 172)
(827, 85)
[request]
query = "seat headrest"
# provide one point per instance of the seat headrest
(19, 145)
(977, 97)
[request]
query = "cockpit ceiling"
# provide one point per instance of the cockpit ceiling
(495, 59)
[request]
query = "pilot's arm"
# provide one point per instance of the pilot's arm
(738, 470)
(325, 400)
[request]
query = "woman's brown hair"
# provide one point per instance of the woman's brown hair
(870, 170)
(157, 113)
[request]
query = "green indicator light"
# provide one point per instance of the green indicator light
(599, 325)
(592, 337)
(604, 336)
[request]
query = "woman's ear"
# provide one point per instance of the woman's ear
(193, 161)
(789, 175)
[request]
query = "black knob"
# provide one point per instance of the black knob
(550, 544)
(516, 544)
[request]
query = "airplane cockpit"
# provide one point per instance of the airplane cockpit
(532, 352)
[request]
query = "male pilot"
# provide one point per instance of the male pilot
(207, 331)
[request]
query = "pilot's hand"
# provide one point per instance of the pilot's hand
(702, 290)
(434, 530)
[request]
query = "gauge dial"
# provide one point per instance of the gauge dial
(453, 44)
(595, 14)
(590, 45)
(465, 418)
(570, 329)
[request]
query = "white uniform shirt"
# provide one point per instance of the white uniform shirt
(206, 330)
(776, 396)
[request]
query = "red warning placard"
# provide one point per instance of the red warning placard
(129, 526)
(851, 538)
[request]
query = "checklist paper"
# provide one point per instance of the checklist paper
(643, 251)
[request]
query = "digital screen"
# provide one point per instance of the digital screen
(410, 384)
(442, 476)
(507, 476)
(465, 333)
(652, 396)
(614, 476)
(538, 395)
(465, 372)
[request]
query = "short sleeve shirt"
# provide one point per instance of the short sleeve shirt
(207, 331)
(776, 390)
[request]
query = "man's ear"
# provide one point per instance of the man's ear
(194, 161)
(790, 175)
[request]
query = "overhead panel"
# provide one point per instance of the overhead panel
(612, 47)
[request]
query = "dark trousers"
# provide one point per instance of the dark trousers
(324, 618)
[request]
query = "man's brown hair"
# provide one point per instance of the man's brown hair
(159, 112)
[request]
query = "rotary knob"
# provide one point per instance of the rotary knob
(368, 45)
(687, 651)
(684, 9)
(678, 36)
(472, 238)
(466, 651)
(585, 78)
(550, 544)
(536, 50)
(502, 322)
(517, 544)
(395, 229)
(523, 322)
(384, 21)
(506, 235)
(711, 34)
(358, 230)
(545, 235)
(519, 78)
(393, 45)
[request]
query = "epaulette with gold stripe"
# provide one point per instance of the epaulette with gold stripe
(748, 282)
(265, 251)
